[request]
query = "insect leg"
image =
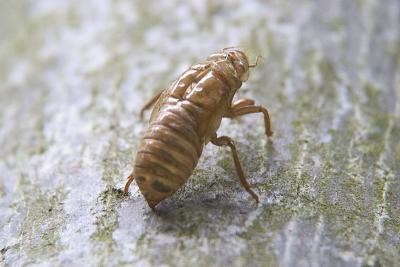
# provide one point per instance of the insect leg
(243, 103)
(240, 110)
(238, 104)
(229, 47)
(256, 63)
(227, 141)
(149, 104)
(128, 183)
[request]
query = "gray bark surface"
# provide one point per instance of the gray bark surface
(74, 74)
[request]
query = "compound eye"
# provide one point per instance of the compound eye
(239, 66)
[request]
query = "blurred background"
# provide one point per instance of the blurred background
(74, 74)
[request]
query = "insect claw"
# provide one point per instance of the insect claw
(255, 196)
(152, 204)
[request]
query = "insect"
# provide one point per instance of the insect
(185, 117)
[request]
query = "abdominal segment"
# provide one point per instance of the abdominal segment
(169, 152)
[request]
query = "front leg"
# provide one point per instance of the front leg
(150, 103)
(227, 141)
(246, 106)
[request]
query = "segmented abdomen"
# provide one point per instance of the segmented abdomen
(169, 151)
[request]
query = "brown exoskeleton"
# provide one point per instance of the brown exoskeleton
(185, 117)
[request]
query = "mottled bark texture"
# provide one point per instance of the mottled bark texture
(74, 74)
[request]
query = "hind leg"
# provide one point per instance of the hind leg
(227, 141)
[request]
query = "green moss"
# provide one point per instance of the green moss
(45, 219)
(394, 162)
(259, 237)
(116, 160)
(201, 180)
(226, 162)
(2, 190)
(375, 143)
(338, 190)
(327, 70)
(107, 221)
(110, 200)
(336, 24)
(146, 20)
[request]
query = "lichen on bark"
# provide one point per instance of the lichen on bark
(74, 75)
